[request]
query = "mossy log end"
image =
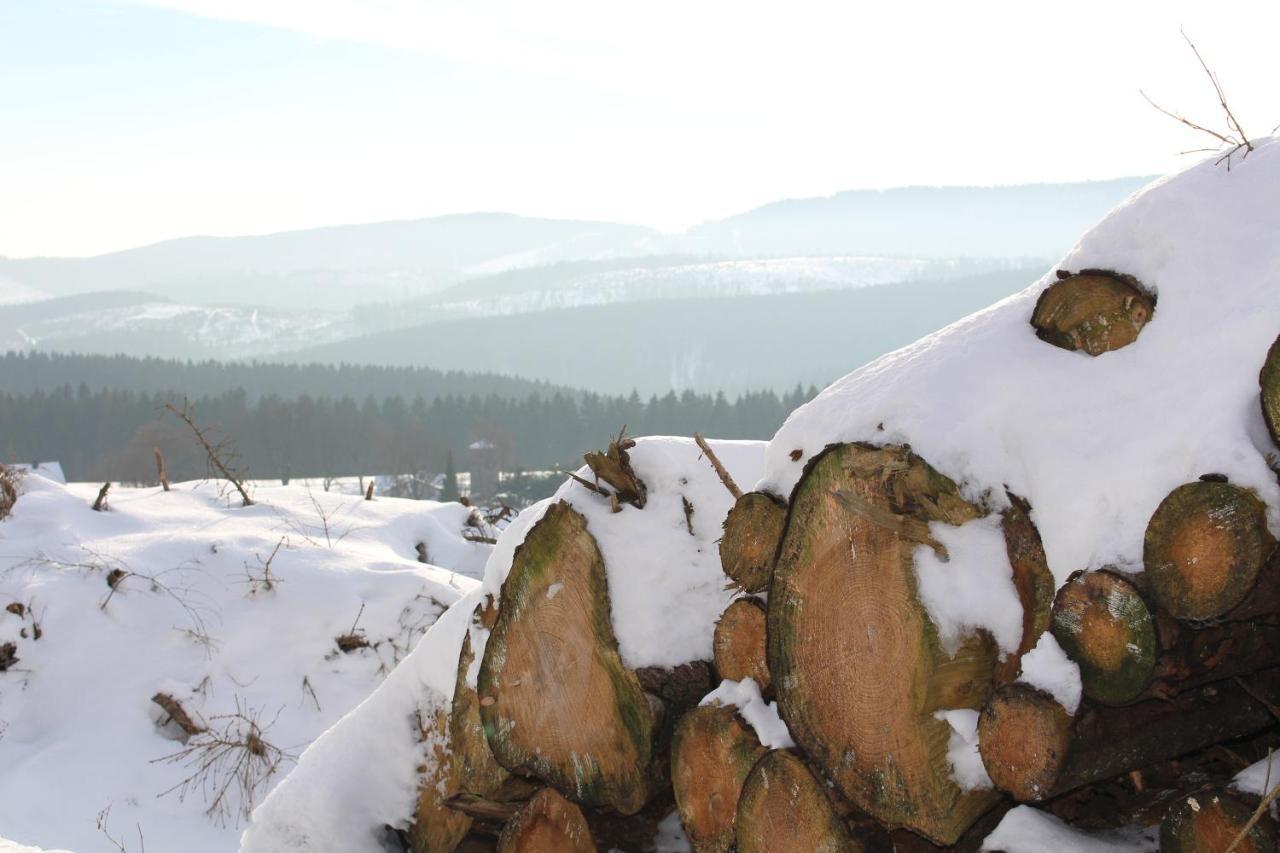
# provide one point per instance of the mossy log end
(1269, 381)
(1028, 757)
(1092, 311)
(437, 828)
(478, 771)
(547, 823)
(856, 661)
(1032, 580)
(784, 806)
(1204, 548)
(711, 754)
(752, 530)
(1208, 821)
(556, 700)
(1103, 624)
(739, 642)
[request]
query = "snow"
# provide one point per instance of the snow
(191, 616)
(363, 773)
(1094, 444)
(666, 586)
(1048, 668)
(967, 769)
(671, 837)
(49, 470)
(1259, 778)
(760, 715)
(1028, 830)
(972, 587)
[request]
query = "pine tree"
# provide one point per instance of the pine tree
(450, 490)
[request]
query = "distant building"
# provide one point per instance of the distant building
(48, 470)
(484, 461)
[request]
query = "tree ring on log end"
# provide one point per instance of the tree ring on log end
(1105, 626)
(1025, 737)
(1093, 311)
(784, 806)
(752, 530)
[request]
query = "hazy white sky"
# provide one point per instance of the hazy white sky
(123, 123)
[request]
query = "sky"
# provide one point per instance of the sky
(126, 122)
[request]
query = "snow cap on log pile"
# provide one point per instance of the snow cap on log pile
(1093, 443)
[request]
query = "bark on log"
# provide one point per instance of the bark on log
(784, 806)
(1205, 547)
(1033, 751)
(711, 754)
(739, 642)
(436, 828)
(1092, 311)
(1103, 624)
(1208, 821)
(547, 823)
(556, 701)
(1032, 579)
(478, 772)
(752, 530)
(856, 661)
(614, 467)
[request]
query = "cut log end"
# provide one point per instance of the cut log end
(547, 823)
(739, 642)
(752, 530)
(855, 659)
(784, 806)
(1269, 381)
(1105, 626)
(1092, 312)
(1209, 821)
(711, 754)
(556, 700)
(1204, 548)
(1024, 738)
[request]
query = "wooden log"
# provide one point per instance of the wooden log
(614, 467)
(1269, 382)
(1093, 311)
(556, 700)
(478, 772)
(752, 531)
(711, 754)
(784, 806)
(739, 642)
(547, 823)
(1032, 580)
(1210, 820)
(1034, 751)
(1204, 549)
(1104, 624)
(437, 828)
(856, 662)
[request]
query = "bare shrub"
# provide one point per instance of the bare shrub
(9, 478)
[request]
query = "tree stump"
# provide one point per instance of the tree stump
(711, 754)
(1092, 311)
(739, 642)
(784, 806)
(752, 530)
(1204, 548)
(856, 662)
(556, 700)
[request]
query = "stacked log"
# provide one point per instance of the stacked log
(1214, 819)
(739, 643)
(712, 754)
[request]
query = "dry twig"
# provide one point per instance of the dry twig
(715, 463)
(220, 454)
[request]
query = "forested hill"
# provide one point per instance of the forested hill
(22, 373)
(109, 434)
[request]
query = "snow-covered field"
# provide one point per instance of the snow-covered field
(169, 593)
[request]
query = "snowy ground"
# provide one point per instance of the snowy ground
(168, 593)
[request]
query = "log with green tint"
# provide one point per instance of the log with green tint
(785, 806)
(752, 530)
(857, 664)
(711, 754)
(1205, 548)
(1092, 311)
(1104, 624)
(1210, 821)
(1033, 750)
(1269, 382)
(556, 700)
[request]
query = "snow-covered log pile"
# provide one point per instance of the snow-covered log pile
(164, 660)
(1028, 559)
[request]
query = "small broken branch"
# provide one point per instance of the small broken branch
(178, 714)
(688, 514)
(100, 505)
(160, 473)
(213, 451)
(715, 463)
(368, 494)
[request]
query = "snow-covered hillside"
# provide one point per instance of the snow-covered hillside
(283, 615)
